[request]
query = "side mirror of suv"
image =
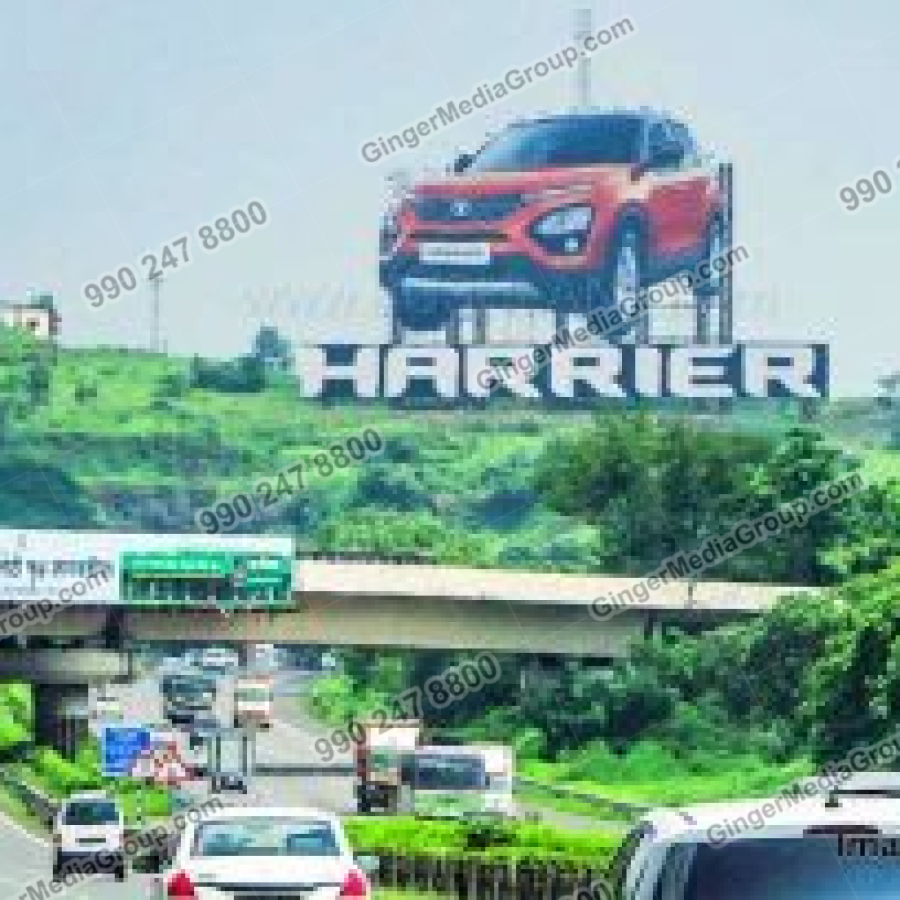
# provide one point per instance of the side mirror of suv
(462, 162)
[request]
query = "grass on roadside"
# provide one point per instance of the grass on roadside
(521, 840)
(739, 781)
(538, 798)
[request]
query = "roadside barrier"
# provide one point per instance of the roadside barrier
(147, 855)
(40, 804)
(469, 879)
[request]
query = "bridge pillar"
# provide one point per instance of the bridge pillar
(60, 716)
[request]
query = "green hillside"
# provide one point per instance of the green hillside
(122, 442)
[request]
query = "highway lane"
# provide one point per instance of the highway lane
(25, 859)
(291, 740)
(292, 716)
(25, 863)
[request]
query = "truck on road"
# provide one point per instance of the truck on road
(458, 781)
(254, 701)
(378, 762)
(187, 696)
(396, 773)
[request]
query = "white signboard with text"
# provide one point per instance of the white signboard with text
(39, 564)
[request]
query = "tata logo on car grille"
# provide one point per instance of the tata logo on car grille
(461, 208)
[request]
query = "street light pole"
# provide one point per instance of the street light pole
(155, 285)
(583, 28)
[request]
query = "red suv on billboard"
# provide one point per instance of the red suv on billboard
(568, 212)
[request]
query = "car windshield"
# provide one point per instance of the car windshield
(266, 836)
(812, 868)
(190, 690)
(91, 812)
(561, 143)
(433, 773)
(258, 694)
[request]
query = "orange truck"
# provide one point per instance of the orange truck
(379, 762)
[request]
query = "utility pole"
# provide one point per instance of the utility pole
(583, 28)
(155, 285)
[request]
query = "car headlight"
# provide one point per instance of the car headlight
(568, 220)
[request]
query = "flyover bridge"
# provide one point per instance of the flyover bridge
(90, 593)
(423, 606)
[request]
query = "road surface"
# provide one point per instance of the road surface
(25, 858)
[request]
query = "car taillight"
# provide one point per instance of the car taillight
(181, 886)
(355, 885)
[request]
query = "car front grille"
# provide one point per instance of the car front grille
(241, 895)
(465, 237)
(466, 209)
(267, 891)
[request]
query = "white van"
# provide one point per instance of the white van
(89, 826)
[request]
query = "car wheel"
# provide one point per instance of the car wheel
(419, 312)
(626, 276)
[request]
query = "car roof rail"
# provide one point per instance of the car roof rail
(880, 785)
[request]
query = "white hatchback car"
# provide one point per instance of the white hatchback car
(845, 846)
(89, 826)
(265, 852)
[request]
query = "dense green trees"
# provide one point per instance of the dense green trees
(658, 486)
(815, 677)
(24, 374)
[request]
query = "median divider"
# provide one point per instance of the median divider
(470, 879)
(280, 770)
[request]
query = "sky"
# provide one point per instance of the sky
(127, 124)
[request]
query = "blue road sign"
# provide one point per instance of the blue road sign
(120, 746)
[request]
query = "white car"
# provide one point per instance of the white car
(254, 852)
(795, 847)
(219, 658)
(89, 826)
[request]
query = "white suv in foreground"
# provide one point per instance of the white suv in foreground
(842, 847)
(89, 827)
(265, 852)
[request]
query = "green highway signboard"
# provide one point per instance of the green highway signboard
(188, 564)
(233, 578)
